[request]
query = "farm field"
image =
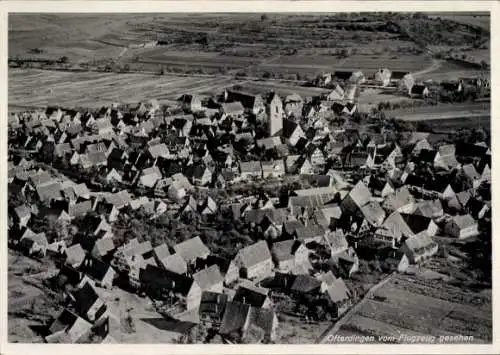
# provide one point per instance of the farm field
(475, 19)
(370, 98)
(282, 89)
(442, 112)
(36, 88)
(410, 306)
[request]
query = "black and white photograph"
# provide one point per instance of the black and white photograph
(249, 178)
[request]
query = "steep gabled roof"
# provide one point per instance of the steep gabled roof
(254, 254)
(208, 277)
(191, 249)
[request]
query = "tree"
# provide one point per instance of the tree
(63, 59)
(263, 17)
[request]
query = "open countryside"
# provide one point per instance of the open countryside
(259, 178)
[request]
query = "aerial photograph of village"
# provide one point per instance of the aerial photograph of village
(249, 178)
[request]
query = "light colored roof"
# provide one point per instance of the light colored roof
(254, 254)
(464, 221)
(75, 254)
(22, 211)
(208, 277)
(328, 278)
(316, 191)
(232, 107)
(191, 249)
(269, 142)
(161, 251)
(373, 212)
(250, 167)
(104, 245)
(360, 194)
(400, 198)
(174, 263)
(470, 171)
(49, 191)
(418, 242)
(159, 150)
(338, 291)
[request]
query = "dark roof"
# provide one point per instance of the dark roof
(94, 268)
(289, 127)
(416, 223)
(165, 279)
(213, 303)
(234, 319)
(305, 284)
(85, 298)
(248, 296)
(418, 89)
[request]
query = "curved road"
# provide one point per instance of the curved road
(436, 64)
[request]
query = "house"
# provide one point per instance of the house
(420, 225)
(199, 174)
(243, 323)
(251, 169)
(75, 255)
(307, 201)
(235, 321)
(419, 248)
(329, 216)
(34, 244)
(310, 233)
(294, 105)
(253, 104)
(192, 249)
(88, 304)
(478, 208)
(381, 187)
(315, 156)
(359, 196)
(461, 227)
(100, 272)
(292, 132)
(252, 262)
(252, 295)
(209, 279)
(429, 209)
(102, 126)
(473, 178)
(305, 284)
(298, 164)
(103, 248)
(290, 255)
(383, 77)
(191, 103)
(212, 307)
(161, 283)
(337, 94)
(49, 192)
(340, 296)
(273, 169)
(335, 241)
(149, 177)
(418, 91)
(174, 263)
(68, 328)
(23, 215)
(401, 200)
